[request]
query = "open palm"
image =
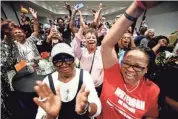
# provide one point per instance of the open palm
(81, 100)
(53, 103)
(33, 13)
(67, 6)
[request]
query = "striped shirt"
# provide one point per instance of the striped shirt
(28, 50)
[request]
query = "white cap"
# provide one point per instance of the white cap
(61, 48)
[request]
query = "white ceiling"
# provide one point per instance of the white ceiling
(109, 7)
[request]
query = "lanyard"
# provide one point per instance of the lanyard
(91, 64)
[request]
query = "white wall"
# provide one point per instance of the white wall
(163, 18)
(164, 24)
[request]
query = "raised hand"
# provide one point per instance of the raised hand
(67, 6)
(147, 4)
(33, 13)
(47, 100)
(162, 42)
(74, 11)
(93, 11)
(100, 6)
(82, 100)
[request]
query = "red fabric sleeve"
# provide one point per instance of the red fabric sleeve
(153, 110)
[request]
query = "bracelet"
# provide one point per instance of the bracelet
(130, 17)
(87, 109)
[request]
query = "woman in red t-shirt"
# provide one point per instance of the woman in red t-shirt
(126, 93)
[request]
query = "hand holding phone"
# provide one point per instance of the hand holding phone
(78, 6)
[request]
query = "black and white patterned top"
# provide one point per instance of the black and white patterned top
(9, 53)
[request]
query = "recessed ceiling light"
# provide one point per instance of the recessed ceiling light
(56, 5)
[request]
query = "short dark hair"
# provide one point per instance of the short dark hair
(143, 50)
(143, 30)
(157, 38)
(27, 19)
(60, 19)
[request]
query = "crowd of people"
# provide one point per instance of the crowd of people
(102, 71)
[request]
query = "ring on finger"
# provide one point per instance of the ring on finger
(42, 99)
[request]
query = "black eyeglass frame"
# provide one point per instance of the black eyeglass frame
(134, 67)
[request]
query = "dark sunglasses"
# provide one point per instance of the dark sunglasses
(135, 67)
(59, 60)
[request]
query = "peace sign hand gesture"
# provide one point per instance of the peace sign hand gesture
(47, 100)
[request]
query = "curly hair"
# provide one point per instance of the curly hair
(92, 31)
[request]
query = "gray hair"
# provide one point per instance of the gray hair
(149, 30)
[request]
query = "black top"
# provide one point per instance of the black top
(45, 47)
(68, 108)
(66, 34)
(27, 29)
(138, 39)
(167, 81)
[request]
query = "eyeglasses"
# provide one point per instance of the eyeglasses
(135, 67)
(67, 60)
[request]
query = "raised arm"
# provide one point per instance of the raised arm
(71, 23)
(109, 56)
(159, 44)
(97, 17)
(82, 23)
(68, 7)
(35, 24)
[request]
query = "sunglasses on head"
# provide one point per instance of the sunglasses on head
(59, 60)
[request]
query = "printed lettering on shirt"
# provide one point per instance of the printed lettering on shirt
(122, 112)
(125, 115)
(130, 101)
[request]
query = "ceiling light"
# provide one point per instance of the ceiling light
(57, 5)
(122, 8)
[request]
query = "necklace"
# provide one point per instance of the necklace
(133, 88)
(67, 93)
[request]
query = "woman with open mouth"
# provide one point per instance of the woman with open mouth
(126, 92)
(89, 56)
(124, 44)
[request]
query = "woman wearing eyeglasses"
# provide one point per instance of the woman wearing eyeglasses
(71, 94)
(124, 44)
(126, 93)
